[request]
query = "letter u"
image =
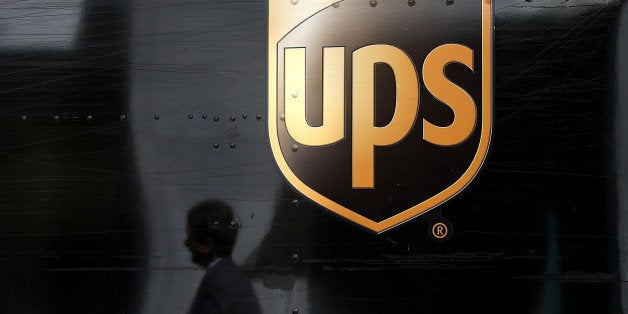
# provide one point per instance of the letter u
(332, 130)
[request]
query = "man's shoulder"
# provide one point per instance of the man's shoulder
(229, 284)
(227, 272)
(224, 265)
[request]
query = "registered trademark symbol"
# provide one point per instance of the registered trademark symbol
(440, 230)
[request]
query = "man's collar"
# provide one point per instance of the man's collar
(214, 262)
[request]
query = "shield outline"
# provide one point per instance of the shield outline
(293, 14)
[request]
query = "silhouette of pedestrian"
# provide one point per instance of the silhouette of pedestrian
(225, 288)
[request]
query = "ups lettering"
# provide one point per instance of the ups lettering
(365, 135)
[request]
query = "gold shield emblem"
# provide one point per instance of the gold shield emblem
(379, 110)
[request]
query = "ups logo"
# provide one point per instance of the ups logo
(379, 110)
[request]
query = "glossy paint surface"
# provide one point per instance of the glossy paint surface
(117, 116)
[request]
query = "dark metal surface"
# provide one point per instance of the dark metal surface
(118, 116)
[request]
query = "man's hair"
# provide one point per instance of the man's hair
(214, 220)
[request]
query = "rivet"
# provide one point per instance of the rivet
(156, 117)
(190, 116)
(23, 118)
(295, 93)
(295, 147)
(216, 145)
(216, 225)
(258, 116)
(282, 117)
(295, 202)
(450, 2)
(411, 2)
(295, 258)
(56, 118)
(295, 311)
(232, 118)
(216, 118)
(336, 5)
(373, 3)
(204, 116)
(244, 116)
(89, 117)
(232, 145)
(294, 1)
(122, 117)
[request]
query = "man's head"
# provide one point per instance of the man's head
(212, 231)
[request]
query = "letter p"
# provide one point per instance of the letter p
(365, 134)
